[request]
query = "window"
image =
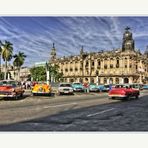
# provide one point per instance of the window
(105, 80)
(76, 69)
(111, 66)
(117, 63)
(125, 66)
(105, 66)
(117, 80)
(86, 64)
(92, 80)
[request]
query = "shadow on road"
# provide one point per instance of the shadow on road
(16, 99)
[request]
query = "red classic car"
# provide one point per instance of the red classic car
(123, 91)
(10, 88)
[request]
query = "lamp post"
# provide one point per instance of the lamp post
(97, 72)
(47, 73)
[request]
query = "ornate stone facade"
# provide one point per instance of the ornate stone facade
(126, 65)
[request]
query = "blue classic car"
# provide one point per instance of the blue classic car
(101, 88)
(104, 88)
(145, 86)
(93, 87)
(78, 87)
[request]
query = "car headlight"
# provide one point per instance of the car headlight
(12, 89)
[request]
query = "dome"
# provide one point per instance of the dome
(127, 35)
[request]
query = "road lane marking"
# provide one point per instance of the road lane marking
(59, 105)
(104, 111)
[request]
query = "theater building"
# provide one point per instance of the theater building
(123, 65)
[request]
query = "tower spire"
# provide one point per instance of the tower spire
(82, 50)
(53, 52)
(128, 42)
(53, 46)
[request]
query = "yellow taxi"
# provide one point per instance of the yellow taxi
(41, 88)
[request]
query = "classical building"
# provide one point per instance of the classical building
(13, 72)
(123, 65)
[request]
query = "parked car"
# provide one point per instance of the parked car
(65, 88)
(106, 88)
(93, 87)
(137, 86)
(101, 88)
(41, 88)
(78, 87)
(145, 86)
(123, 91)
(11, 88)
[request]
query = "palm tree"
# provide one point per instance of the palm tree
(19, 61)
(7, 51)
(0, 55)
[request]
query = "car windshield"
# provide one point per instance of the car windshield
(106, 86)
(121, 86)
(76, 83)
(65, 85)
(8, 83)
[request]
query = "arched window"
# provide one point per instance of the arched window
(117, 63)
(117, 80)
(92, 80)
(105, 80)
(126, 80)
(81, 80)
(111, 80)
(71, 80)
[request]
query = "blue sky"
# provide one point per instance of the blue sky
(34, 35)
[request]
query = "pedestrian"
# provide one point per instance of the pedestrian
(110, 87)
(86, 85)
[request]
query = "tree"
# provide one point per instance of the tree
(0, 55)
(38, 73)
(19, 61)
(54, 73)
(7, 51)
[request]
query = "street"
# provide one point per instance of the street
(79, 112)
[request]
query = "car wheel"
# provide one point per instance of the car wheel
(16, 97)
(34, 94)
(136, 97)
(21, 95)
(127, 98)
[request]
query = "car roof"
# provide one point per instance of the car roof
(77, 82)
(65, 83)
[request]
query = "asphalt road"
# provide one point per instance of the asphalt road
(81, 112)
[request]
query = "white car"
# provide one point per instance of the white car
(65, 88)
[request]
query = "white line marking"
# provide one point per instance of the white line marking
(59, 105)
(104, 111)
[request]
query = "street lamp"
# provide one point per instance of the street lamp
(47, 73)
(97, 73)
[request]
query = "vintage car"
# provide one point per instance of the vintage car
(137, 86)
(123, 91)
(78, 87)
(145, 86)
(93, 87)
(11, 89)
(65, 88)
(41, 88)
